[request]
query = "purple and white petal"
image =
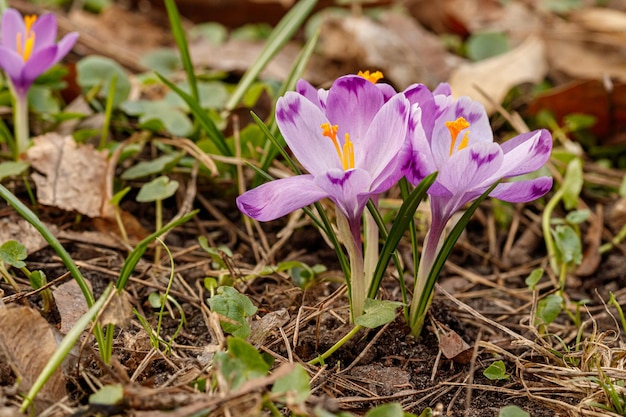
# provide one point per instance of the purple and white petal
(351, 104)
(45, 29)
(526, 152)
(522, 191)
(12, 24)
(387, 90)
(39, 63)
(385, 137)
(473, 112)
(305, 89)
(65, 45)
(349, 190)
(300, 123)
(471, 168)
(442, 89)
(280, 197)
(11, 62)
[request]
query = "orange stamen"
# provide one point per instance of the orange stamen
(371, 77)
(455, 128)
(346, 155)
(25, 46)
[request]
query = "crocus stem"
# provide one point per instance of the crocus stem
(333, 349)
(350, 234)
(421, 301)
(371, 248)
(20, 118)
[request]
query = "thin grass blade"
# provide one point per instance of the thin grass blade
(400, 224)
(205, 121)
(183, 47)
(283, 31)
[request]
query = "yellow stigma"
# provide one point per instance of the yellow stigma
(25, 46)
(371, 77)
(455, 128)
(346, 155)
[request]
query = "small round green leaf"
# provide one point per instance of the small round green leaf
(13, 253)
(158, 189)
(98, 71)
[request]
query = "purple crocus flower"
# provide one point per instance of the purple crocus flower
(28, 47)
(348, 138)
(454, 137)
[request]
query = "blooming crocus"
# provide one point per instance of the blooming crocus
(455, 139)
(29, 47)
(348, 139)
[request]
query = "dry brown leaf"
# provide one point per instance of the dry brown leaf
(70, 303)
(395, 44)
(69, 176)
(28, 342)
(497, 75)
(600, 19)
(452, 345)
(16, 228)
(600, 61)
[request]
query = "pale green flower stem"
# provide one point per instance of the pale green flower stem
(20, 118)
(357, 289)
(421, 301)
(320, 359)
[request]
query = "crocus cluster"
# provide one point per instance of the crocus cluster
(358, 138)
(28, 48)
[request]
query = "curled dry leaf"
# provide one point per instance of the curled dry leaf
(70, 303)
(69, 176)
(454, 347)
(497, 75)
(16, 228)
(28, 342)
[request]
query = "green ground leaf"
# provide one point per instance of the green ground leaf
(549, 308)
(568, 244)
(512, 411)
(578, 216)
(496, 371)
(572, 183)
(295, 386)
(108, 395)
(533, 278)
(159, 115)
(12, 168)
(156, 166)
(386, 410)
(485, 45)
(377, 313)
(164, 60)
(98, 71)
(159, 188)
(241, 363)
(13, 253)
(235, 306)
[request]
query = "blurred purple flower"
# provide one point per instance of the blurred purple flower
(28, 47)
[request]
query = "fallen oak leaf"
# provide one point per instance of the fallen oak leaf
(69, 176)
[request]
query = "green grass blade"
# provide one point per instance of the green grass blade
(283, 31)
(183, 47)
(64, 348)
(278, 145)
(296, 73)
(140, 249)
(400, 224)
(205, 121)
(382, 228)
(31, 218)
